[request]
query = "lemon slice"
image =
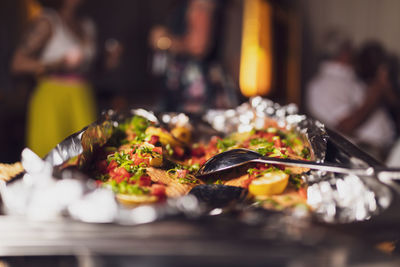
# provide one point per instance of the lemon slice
(271, 183)
(165, 137)
(135, 199)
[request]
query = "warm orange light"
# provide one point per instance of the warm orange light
(33, 8)
(256, 54)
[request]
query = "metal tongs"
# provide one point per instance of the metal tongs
(240, 156)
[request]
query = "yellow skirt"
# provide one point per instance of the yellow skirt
(57, 109)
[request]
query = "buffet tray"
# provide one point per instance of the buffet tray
(232, 238)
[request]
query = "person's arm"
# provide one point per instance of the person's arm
(25, 60)
(199, 27)
(374, 97)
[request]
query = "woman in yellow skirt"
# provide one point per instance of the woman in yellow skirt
(58, 49)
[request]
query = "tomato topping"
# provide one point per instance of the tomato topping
(182, 173)
(132, 181)
(113, 164)
(200, 161)
(178, 151)
(102, 166)
(158, 190)
(246, 144)
(198, 152)
(247, 182)
(261, 166)
(267, 136)
(119, 174)
(278, 143)
(138, 160)
(302, 192)
(154, 139)
(145, 180)
(214, 141)
(158, 149)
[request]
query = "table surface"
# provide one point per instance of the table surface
(224, 239)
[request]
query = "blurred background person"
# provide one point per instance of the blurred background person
(58, 49)
(107, 77)
(186, 55)
(356, 107)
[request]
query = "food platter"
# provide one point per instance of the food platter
(333, 198)
(185, 226)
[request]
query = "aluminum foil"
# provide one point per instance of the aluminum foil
(41, 194)
(252, 115)
(334, 198)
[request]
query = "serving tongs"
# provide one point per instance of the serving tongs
(237, 157)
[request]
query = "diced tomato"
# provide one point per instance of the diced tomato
(102, 166)
(302, 192)
(247, 182)
(278, 166)
(158, 149)
(132, 181)
(199, 161)
(198, 152)
(119, 174)
(98, 183)
(261, 166)
(281, 167)
(278, 143)
(154, 139)
(214, 141)
(178, 151)
(139, 160)
(246, 144)
(122, 171)
(158, 190)
(267, 136)
(145, 180)
(113, 164)
(182, 173)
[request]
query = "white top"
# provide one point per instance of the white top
(335, 93)
(64, 43)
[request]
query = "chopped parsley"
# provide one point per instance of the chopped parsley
(139, 124)
(193, 168)
(305, 153)
(188, 179)
(225, 144)
(260, 141)
(121, 158)
(103, 177)
(296, 180)
(219, 181)
(169, 149)
(126, 188)
(259, 173)
(265, 150)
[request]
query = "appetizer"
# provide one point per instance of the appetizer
(144, 163)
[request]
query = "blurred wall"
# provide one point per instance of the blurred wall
(361, 19)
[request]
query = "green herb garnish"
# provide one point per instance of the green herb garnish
(225, 144)
(125, 188)
(296, 180)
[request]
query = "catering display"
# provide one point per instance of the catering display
(146, 159)
(147, 163)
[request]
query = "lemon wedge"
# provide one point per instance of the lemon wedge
(271, 183)
(165, 137)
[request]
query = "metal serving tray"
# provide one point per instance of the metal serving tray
(236, 236)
